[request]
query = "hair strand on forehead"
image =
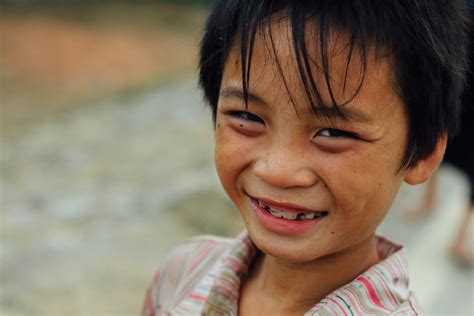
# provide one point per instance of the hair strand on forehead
(425, 40)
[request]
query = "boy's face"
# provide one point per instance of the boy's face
(278, 152)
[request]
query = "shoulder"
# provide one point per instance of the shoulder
(182, 268)
(381, 290)
(196, 255)
(410, 307)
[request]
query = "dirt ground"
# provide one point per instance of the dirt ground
(53, 59)
(90, 88)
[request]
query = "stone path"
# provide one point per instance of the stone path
(92, 199)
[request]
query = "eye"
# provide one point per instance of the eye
(247, 116)
(334, 140)
(332, 132)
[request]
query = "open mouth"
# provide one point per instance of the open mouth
(293, 215)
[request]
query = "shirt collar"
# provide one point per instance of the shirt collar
(232, 268)
(390, 277)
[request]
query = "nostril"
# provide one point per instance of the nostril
(285, 175)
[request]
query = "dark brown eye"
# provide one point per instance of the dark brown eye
(247, 116)
(332, 132)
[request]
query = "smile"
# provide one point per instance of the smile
(285, 218)
(290, 215)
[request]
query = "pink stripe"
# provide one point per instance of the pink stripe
(371, 291)
(156, 279)
(351, 297)
(151, 308)
(148, 308)
(338, 305)
(388, 265)
(202, 254)
(228, 292)
(387, 291)
(234, 264)
(198, 297)
(400, 265)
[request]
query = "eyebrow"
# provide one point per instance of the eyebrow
(231, 92)
(347, 114)
(330, 112)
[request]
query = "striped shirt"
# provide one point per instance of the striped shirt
(203, 276)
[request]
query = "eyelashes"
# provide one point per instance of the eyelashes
(332, 132)
(327, 133)
(247, 116)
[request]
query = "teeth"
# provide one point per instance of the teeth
(281, 214)
(289, 215)
(311, 215)
(276, 213)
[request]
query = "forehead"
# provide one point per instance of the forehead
(315, 76)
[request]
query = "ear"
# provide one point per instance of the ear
(422, 170)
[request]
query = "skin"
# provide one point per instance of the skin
(284, 153)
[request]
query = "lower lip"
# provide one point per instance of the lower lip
(281, 225)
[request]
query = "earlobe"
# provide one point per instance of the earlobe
(422, 170)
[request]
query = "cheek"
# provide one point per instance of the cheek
(231, 157)
(223, 158)
(365, 182)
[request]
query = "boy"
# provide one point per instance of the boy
(321, 110)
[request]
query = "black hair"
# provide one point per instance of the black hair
(426, 41)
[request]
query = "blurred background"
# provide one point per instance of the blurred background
(107, 161)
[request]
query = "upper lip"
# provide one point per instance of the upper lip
(284, 206)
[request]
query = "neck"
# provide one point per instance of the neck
(299, 286)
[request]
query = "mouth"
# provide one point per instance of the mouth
(287, 211)
(285, 218)
(291, 214)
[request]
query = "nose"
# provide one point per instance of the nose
(285, 168)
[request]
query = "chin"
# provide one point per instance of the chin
(282, 248)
